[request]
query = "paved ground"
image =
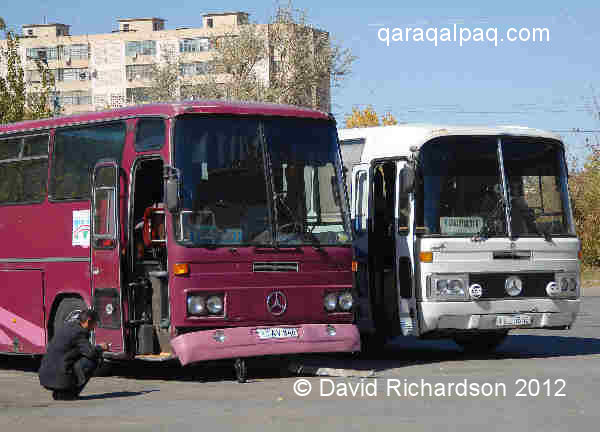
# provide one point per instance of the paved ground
(141, 398)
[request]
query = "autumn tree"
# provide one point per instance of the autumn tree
(368, 117)
(584, 188)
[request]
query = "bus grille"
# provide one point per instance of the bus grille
(275, 266)
(534, 284)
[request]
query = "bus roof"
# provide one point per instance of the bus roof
(391, 141)
(168, 110)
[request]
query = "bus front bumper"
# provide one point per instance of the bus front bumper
(496, 315)
(256, 341)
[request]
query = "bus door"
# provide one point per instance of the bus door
(360, 225)
(405, 260)
(105, 253)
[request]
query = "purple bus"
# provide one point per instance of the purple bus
(198, 230)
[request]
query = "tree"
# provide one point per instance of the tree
(368, 117)
(16, 103)
(166, 77)
(283, 62)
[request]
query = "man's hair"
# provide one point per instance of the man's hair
(89, 314)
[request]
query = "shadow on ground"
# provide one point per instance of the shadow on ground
(401, 352)
(115, 395)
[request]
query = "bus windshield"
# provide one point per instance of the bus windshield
(464, 192)
(259, 181)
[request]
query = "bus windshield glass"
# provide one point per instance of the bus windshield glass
(464, 192)
(259, 181)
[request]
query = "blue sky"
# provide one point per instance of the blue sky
(546, 85)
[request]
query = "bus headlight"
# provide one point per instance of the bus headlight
(214, 304)
(196, 305)
(330, 302)
(345, 301)
(567, 286)
(448, 287)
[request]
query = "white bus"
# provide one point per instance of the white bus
(460, 232)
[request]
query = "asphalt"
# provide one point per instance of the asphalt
(539, 380)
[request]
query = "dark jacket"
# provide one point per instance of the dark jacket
(70, 343)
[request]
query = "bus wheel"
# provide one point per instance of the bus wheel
(68, 311)
(241, 372)
(481, 343)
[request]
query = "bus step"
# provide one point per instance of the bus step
(163, 356)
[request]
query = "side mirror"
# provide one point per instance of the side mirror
(172, 194)
(406, 180)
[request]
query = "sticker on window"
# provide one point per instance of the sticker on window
(232, 236)
(81, 228)
(461, 225)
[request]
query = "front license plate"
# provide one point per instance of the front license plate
(513, 320)
(277, 333)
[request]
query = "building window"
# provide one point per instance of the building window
(193, 69)
(125, 27)
(138, 95)
(29, 32)
(139, 72)
(77, 51)
(73, 74)
(195, 45)
(75, 98)
(43, 53)
(209, 23)
(157, 26)
(147, 47)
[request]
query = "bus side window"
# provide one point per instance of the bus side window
(362, 201)
(150, 134)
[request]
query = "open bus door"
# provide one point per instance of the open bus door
(405, 259)
(360, 221)
(105, 253)
(382, 213)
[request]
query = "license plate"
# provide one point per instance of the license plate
(513, 321)
(277, 333)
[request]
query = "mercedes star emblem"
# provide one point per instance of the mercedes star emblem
(276, 303)
(513, 286)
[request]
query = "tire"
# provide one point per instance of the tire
(482, 342)
(68, 310)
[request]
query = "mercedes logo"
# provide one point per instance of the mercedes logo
(513, 286)
(276, 303)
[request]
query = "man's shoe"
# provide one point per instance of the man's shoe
(64, 395)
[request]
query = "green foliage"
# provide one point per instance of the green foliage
(12, 87)
(17, 101)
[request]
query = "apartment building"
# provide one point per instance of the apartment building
(110, 70)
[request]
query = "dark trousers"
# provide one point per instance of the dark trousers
(83, 370)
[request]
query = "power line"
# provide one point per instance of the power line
(577, 130)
